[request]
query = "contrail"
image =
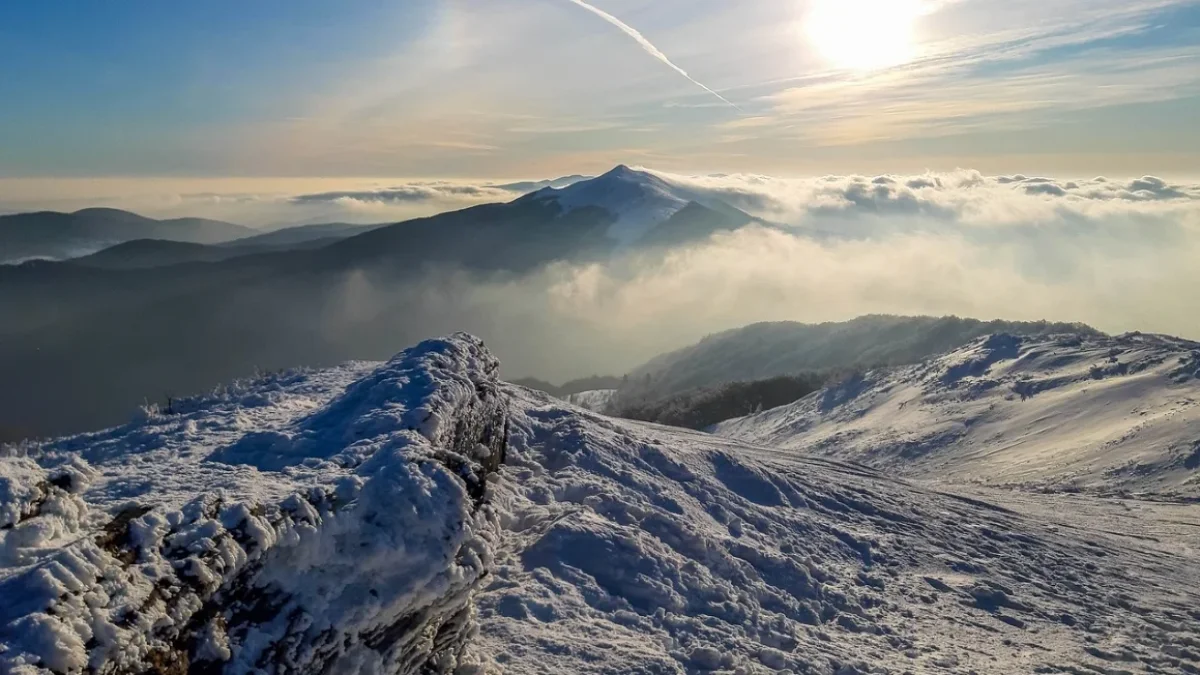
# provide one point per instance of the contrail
(650, 48)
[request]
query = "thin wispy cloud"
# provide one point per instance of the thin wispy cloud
(650, 48)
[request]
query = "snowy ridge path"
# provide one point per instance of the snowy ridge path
(634, 548)
(1099, 414)
(316, 522)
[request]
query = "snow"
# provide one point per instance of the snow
(629, 547)
(1058, 413)
(327, 520)
(638, 200)
(595, 400)
(358, 520)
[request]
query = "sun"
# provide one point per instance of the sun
(863, 34)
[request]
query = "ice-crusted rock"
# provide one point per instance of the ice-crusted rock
(326, 522)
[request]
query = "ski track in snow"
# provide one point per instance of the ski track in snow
(624, 547)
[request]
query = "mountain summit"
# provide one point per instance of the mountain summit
(638, 199)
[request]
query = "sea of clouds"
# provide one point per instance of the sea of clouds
(1120, 254)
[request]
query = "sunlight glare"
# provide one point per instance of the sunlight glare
(863, 34)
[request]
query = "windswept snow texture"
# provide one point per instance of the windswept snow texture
(319, 522)
(632, 548)
(358, 520)
(1054, 413)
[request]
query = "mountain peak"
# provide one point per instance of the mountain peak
(624, 173)
(622, 170)
(638, 200)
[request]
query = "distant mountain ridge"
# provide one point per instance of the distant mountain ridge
(55, 235)
(534, 185)
(150, 253)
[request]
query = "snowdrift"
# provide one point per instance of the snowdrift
(419, 516)
(1070, 412)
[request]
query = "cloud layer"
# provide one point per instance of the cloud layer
(1119, 254)
(267, 202)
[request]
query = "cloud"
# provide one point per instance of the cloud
(437, 192)
(1094, 250)
(965, 197)
(415, 193)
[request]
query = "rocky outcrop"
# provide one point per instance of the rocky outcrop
(347, 537)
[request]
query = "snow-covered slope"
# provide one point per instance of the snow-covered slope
(630, 548)
(1050, 412)
(340, 522)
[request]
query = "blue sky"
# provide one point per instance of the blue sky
(534, 88)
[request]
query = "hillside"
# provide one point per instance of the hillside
(418, 516)
(767, 350)
(54, 235)
(1077, 413)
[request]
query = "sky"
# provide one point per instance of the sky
(166, 107)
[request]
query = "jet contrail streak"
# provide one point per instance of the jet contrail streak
(649, 47)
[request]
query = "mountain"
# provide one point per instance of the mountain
(127, 331)
(587, 220)
(147, 253)
(767, 350)
(420, 516)
(1071, 412)
(641, 202)
(53, 235)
